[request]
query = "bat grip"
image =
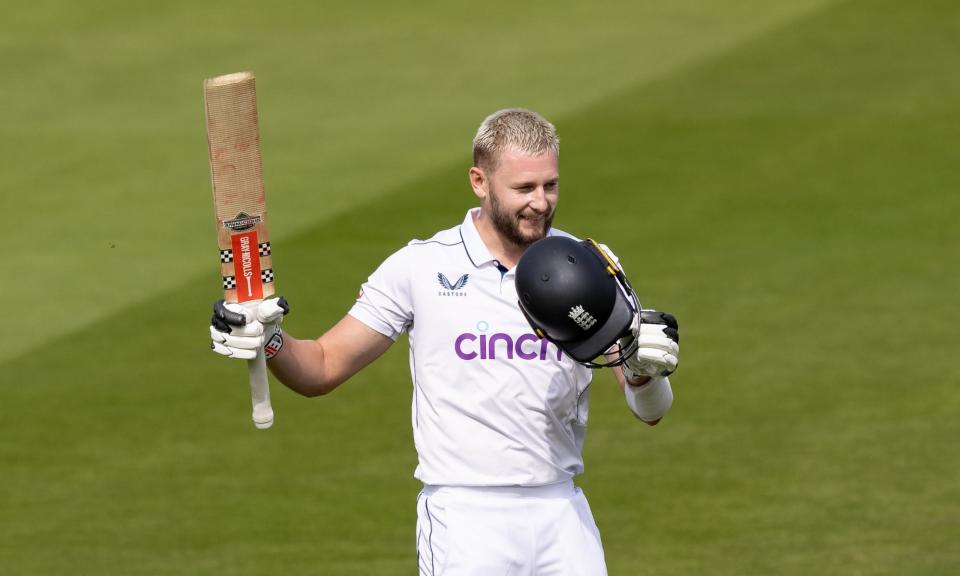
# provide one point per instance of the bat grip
(260, 392)
(259, 386)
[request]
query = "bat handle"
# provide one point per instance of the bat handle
(260, 392)
(260, 387)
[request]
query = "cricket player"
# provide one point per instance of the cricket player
(498, 414)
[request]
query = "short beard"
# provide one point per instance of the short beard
(508, 225)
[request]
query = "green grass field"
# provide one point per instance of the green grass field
(782, 176)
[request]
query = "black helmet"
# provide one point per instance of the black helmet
(574, 295)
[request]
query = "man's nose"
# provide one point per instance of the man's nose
(539, 200)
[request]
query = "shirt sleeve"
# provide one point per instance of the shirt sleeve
(385, 302)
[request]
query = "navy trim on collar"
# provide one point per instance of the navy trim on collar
(464, 242)
(477, 251)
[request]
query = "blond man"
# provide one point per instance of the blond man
(498, 414)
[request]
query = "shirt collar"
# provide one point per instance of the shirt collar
(477, 251)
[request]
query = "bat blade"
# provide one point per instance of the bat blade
(236, 172)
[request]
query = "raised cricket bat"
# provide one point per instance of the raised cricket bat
(233, 138)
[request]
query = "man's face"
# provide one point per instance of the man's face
(522, 195)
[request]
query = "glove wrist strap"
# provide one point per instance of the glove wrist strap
(274, 343)
(630, 375)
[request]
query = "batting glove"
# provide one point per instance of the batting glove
(237, 331)
(656, 338)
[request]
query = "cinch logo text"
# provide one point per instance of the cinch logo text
(527, 347)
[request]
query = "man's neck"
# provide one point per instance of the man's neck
(502, 249)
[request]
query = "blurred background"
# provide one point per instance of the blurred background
(782, 176)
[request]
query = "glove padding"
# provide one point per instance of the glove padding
(657, 340)
(239, 332)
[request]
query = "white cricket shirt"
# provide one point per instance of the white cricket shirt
(493, 405)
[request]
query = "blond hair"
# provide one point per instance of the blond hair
(513, 128)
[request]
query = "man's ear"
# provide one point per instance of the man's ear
(479, 182)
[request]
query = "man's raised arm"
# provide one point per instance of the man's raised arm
(308, 367)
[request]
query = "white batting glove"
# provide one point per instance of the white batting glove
(656, 339)
(237, 331)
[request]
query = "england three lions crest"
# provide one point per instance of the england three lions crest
(583, 319)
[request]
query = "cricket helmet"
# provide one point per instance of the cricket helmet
(574, 295)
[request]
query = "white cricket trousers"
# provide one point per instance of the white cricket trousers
(507, 531)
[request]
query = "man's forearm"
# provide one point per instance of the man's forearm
(316, 367)
(300, 366)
